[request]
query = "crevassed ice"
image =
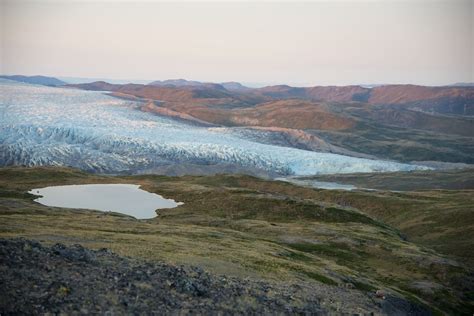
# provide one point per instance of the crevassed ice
(92, 131)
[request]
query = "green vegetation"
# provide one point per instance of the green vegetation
(248, 227)
(401, 143)
(460, 179)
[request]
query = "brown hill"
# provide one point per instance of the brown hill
(318, 93)
(282, 92)
(448, 100)
(400, 94)
(162, 93)
(294, 113)
(291, 114)
(159, 93)
(338, 94)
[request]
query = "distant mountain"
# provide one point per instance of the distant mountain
(283, 92)
(183, 83)
(339, 93)
(176, 83)
(96, 86)
(42, 80)
(235, 86)
(76, 80)
(169, 93)
(318, 93)
(406, 93)
(445, 100)
(458, 100)
(463, 84)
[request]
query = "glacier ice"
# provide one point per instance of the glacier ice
(96, 132)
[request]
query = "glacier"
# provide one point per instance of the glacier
(96, 132)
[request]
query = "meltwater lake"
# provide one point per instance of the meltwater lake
(127, 199)
(318, 184)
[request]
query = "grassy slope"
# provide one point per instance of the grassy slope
(402, 144)
(455, 179)
(441, 216)
(266, 229)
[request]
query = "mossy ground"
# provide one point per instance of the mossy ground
(248, 227)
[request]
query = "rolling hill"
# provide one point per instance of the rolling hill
(402, 122)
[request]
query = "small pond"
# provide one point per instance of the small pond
(127, 199)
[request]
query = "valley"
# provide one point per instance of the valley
(273, 231)
(237, 158)
(398, 242)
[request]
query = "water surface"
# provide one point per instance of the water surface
(318, 184)
(127, 199)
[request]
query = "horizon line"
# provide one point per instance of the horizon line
(244, 83)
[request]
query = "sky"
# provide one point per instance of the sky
(427, 42)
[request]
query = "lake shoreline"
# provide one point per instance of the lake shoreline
(126, 199)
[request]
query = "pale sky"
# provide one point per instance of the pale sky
(313, 43)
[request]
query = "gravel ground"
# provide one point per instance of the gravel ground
(36, 279)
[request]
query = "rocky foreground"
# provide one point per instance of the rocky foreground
(60, 279)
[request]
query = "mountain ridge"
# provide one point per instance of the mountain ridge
(457, 100)
(41, 80)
